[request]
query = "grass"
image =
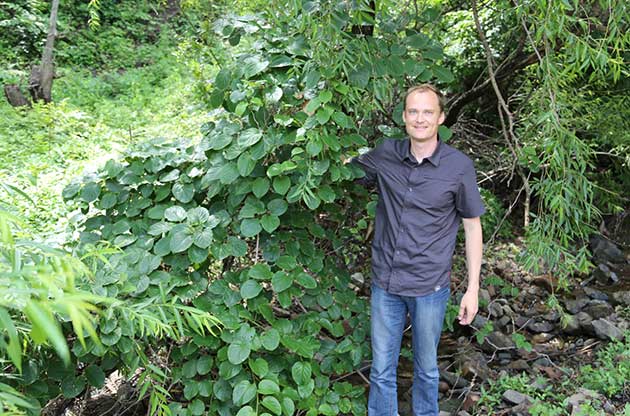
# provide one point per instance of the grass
(92, 119)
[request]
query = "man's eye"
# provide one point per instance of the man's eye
(413, 112)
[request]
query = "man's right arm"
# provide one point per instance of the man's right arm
(368, 164)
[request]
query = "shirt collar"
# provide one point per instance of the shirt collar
(434, 158)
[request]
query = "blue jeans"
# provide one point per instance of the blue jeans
(389, 315)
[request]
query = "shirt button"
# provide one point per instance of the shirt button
(397, 251)
(410, 190)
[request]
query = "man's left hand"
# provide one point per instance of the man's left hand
(468, 308)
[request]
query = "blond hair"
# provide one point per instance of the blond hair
(424, 88)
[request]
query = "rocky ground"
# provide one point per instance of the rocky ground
(518, 331)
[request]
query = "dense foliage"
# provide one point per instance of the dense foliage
(257, 223)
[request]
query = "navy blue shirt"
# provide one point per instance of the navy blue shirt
(418, 214)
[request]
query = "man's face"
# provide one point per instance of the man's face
(422, 116)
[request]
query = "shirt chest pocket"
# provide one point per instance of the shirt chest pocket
(437, 192)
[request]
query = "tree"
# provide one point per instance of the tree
(41, 79)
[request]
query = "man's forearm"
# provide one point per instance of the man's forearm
(474, 251)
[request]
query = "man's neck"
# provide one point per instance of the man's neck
(423, 150)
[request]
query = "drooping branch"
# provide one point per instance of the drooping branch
(505, 115)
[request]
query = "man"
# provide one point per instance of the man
(425, 187)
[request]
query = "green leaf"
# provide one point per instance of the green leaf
(326, 193)
(175, 214)
(277, 207)
(95, 376)
(254, 65)
(191, 389)
(44, 326)
(288, 407)
(238, 351)
(90, 192)
(250, 289)
(443, 74)
(228, 173)
(323, 114)
(204, 364)
(197, 407)
(205, 388)
(183, 192)
(243, 393)
(203, 238)
(281, 184)
(311, 201)
(71, 190)
(259, 366)
(170, 176)
(198, 215)
(270, 339)
(268, 387)
(108, 200)
(270, 222)
(246, 411)
(245, 164)
(71, 387)
(260, 187)
(306, 280)
(249, 137)
(281, 281)
(260, 271)
(180, 241)
(286, 262)
(250, 227)
(445, 133)
(223, 79)
(301, 372)
(272, 404)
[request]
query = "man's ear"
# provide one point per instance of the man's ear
(442, 118)
(403, 116)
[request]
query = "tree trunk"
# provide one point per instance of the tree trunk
(15, 97)
(40, 84)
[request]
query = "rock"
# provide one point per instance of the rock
(463, 413)
(621, 298)
(572, 325)
(605, 250)
(542, 338)
(576, 305)
(479, 321)
(484, 296)
(520, 365)
(546, 281)
(595, 294)
(599, 309)
(443, 413)
(552, 316)
(474, 364)
(504, 321)
(542, 362)
(521, 321)
(495, 310)
(453, 379)
(602, 274)
(605, 329)
(586, 322)
(582, 396)
(470, 402)
(515, 397)
(443, 387)
(497, 340)
(541, 326)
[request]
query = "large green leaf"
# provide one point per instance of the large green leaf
(268, 387)
(250, 289)
(238, 351)
(249, 137)
(270, 339)
(270, 222)
(301, 372)
(260, 187)
(272, 404)
(183, 192)
(281, 281)
(243, 392)
(250, 227)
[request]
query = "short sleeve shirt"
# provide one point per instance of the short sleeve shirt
(418, 214)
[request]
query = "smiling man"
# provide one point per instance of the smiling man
(425, 189)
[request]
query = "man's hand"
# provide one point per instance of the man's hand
(468, 308)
